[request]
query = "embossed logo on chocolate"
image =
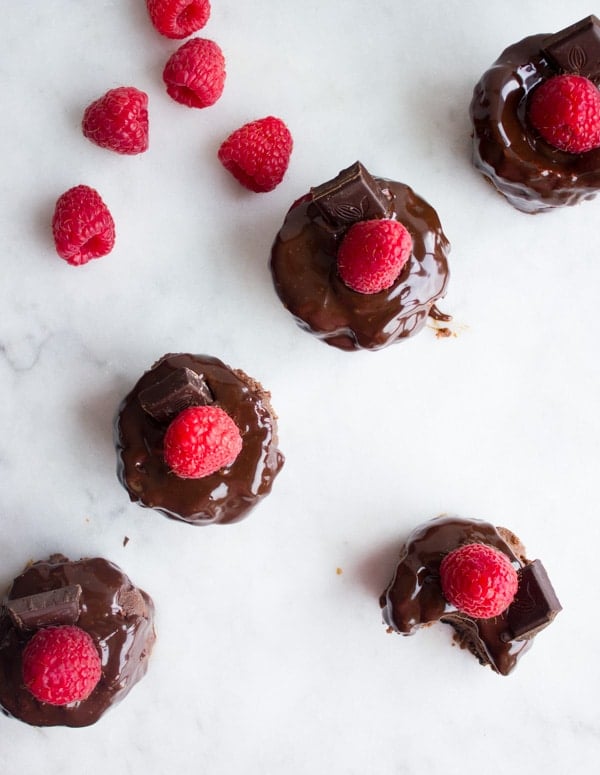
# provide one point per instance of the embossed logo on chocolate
(525, 602)
(577, 58)
(348, 212)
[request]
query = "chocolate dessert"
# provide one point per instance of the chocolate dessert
(96, 596)
(414, 597)
(175, 383)
(533, 175)
(305, 272)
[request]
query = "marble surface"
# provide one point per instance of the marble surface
(272, 657)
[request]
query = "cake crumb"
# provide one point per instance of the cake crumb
(339, 571)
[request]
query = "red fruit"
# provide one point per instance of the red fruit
(118, 120)
(372, 254)
(82, 226)
(200, 440)
(565, 110)
(195, 73)
(257, 154)
(61, 665)
(478, 580)
(178, 18)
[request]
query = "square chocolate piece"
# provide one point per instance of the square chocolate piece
(576, 49)
(181, 389)
(535, 604)
(353, 195)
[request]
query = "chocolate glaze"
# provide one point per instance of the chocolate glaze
(119, 617)
(532, 175)
(414, 597)
(303, 265)
(225, 496)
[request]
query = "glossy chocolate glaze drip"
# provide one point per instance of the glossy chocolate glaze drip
(225, 496)
(118, 616)
(414, 597)
(531, 174)
(303, 265)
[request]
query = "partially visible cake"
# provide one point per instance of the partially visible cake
(417, 595)
(309, 277)
(508, 147)
(178, 478)
(91, 599)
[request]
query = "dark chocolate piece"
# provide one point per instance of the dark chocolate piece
(57, 606)
(576, 49)
(179, 390)
(353, 195)
(535, 604)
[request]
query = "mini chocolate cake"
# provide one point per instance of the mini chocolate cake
(304, 263)
(530, 173)
(178, 381)
(96, 596)
(414, 596)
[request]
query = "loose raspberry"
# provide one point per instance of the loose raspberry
(565, 110)
(479, 580)
(82, 226)
(372, 254)
(257, 154)
(178, 18)
(118, 121)
(61, 665)
(200, 440)
(195, 73)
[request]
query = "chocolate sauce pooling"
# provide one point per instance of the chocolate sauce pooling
(532, 175)
(303, 265)
(120, 619)
(414, 596)
(225, 496)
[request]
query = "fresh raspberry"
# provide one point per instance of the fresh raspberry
(372, 254)
(178, 18)
(565, 110)
(118, 121)
(82, 226)
(200, 440)
(479, 580)
(61, 665)
(257, 154)
(195, 73)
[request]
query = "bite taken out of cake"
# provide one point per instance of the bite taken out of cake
(475, 577)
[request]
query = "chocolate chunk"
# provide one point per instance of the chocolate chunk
(179, 390)
(535, 604)
(353, 195)
(58, 606)
(576, 49)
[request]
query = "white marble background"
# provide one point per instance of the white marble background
(269, 661)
